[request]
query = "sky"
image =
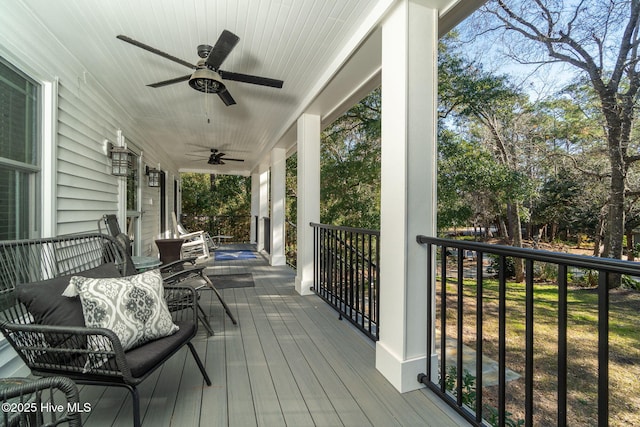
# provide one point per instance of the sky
(491, 50)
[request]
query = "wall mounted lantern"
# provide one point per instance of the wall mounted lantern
(154, 176)
(120, 160)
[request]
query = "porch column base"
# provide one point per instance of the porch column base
(402, 374)
(303, 287)
(277, 259)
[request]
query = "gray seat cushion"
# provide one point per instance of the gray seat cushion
(148, 356)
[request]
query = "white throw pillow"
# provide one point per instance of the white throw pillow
(133, 307)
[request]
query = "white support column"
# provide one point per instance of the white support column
(308, 198)
(408, 191)
(278, 194)
(263, 211)
(255, 205)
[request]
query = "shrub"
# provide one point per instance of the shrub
(509, 264)
(490, 413)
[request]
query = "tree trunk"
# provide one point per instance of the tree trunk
(630, 253)
(599, 235)
(516, 238)
(615, 219)
(504, 233)
(617, 138)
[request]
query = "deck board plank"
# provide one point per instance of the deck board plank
(214, 407)
(187, 409)
(317, 401)
(161, 406)
(336, 389)
(106, 409)
(267, 406)
(240, 397)
(290, 399)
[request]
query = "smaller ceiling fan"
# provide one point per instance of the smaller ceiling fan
(208, 76)
(216, 158)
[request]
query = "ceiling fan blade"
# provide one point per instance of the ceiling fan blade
(234, 160)
(156, 51)
(170, 82)
(247, 78)
(226, 97)
(225, 44)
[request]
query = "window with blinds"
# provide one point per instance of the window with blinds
(19, 154)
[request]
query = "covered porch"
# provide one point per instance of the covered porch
(289, 361)
(290, 356)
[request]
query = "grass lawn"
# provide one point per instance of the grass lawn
(624, 339)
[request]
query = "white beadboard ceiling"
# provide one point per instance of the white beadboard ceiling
(297, 41)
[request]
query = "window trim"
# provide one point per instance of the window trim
(45, 170)
(48, 157)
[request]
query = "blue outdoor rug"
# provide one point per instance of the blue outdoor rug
(231, 255)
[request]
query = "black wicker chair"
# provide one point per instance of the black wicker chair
(32, 403)
(51, 349)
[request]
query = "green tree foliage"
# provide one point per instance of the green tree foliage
(291, 188)
(557, 209)
(574, 193)
(350, 167)
(216, 195)
(196, 194)
(485, 108)
(472, 186)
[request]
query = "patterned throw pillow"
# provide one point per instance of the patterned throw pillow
(133, 307)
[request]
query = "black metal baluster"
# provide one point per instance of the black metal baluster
(502, 340)
(362, 279)
(320, 249)
(562, 345)
(479, 336)
(335, 291)
(339, 271)
(336, 271)
(366, 291)
(351, 272)
(430, 312)
(460, 324)
(529, 344)
(377, 287)
(443, 321)
(326, 280)
(603, 348)
(316, 263)
(348, 273)
(330, 273)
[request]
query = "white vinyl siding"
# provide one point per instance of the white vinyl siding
(86, 189)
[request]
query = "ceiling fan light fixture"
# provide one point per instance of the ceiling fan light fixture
(206, 81)
(215, 160)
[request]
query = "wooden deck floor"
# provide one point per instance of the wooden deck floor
(289, 362)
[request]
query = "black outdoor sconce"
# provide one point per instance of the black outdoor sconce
(154, 176)
(120, 160)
